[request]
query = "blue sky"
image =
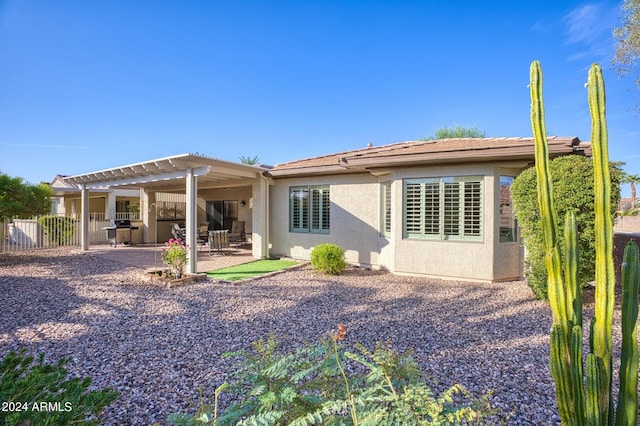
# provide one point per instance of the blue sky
(89, 85)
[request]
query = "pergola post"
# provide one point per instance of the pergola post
(110, 206)
(84, 218)
(260, 236)
(191, 221)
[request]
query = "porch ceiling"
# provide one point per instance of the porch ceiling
(168, 173)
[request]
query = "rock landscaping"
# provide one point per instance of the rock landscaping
(158, 348)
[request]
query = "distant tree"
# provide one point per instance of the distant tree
(249, 160)
(627, 57)
(456, 132)
(20, 199)
(631, 180)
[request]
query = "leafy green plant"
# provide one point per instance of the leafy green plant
(326, 384)
(41, 394)
(175, 254)
(59, 229)
(572, 179)
(585, 394)
(328, 259)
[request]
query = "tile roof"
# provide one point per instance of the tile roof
(430, 152)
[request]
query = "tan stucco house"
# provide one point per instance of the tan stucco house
(437, 208)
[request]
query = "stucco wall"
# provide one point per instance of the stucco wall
(355, 225)
(354, 218)
(507, 262)
(445, 259)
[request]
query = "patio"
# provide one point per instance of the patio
(149, 256)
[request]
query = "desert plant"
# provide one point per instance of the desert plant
(587, 398)
(572, 179)
(175, 254)
(326, 384)
(41, 394)
(59, 229)
(328, 259)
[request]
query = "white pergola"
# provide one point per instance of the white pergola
(184, 172)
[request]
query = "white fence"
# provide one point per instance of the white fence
(49, 231)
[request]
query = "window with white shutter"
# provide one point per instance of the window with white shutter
(446, 208)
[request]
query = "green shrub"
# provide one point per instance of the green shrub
(59, 229)
(310, 385)
(328, 259)
(41, 394)
(572, 178)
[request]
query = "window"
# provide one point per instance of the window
(447, 208)
(508, 223)
(309, 209)
(386, 209)
(171, 209)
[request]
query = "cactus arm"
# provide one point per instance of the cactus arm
(545, 195)
(561, 375)
(605, 276)
(545, 200)
(627, 409)
(577, 374)
(592, 405)
(560, 355)
(574, 292)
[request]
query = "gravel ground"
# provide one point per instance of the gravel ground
(158, 346)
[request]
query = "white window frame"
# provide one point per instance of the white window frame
(443, 208)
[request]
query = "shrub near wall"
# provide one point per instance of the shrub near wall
(328, 259)
(572, 178)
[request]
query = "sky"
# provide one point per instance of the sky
(90, 85)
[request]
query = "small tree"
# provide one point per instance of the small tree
(572, 177)
(627, 57)
(249, 160)
(631, 180)
(456, 132)
(20, 199)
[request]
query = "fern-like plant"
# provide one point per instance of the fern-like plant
(39, 393)
(324, 384)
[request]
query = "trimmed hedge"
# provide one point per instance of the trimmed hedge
(328, 259)
(572, 178)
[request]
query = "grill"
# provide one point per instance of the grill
(120, 232)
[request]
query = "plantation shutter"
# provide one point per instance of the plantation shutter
(386, 206)
(320, 209)
(472, 209)
(448, 208)
(299, 209)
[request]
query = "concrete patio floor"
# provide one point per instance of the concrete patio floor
(150, 256)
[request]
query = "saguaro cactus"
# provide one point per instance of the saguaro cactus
(587, 401)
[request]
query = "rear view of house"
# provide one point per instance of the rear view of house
(435, 208)
(438, 208)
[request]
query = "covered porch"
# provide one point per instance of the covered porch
(202, 180)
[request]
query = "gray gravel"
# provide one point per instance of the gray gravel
(158, 346)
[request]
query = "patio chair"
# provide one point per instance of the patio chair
(203, 233)
(218, 241)
(177, 232)
(237, 234)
